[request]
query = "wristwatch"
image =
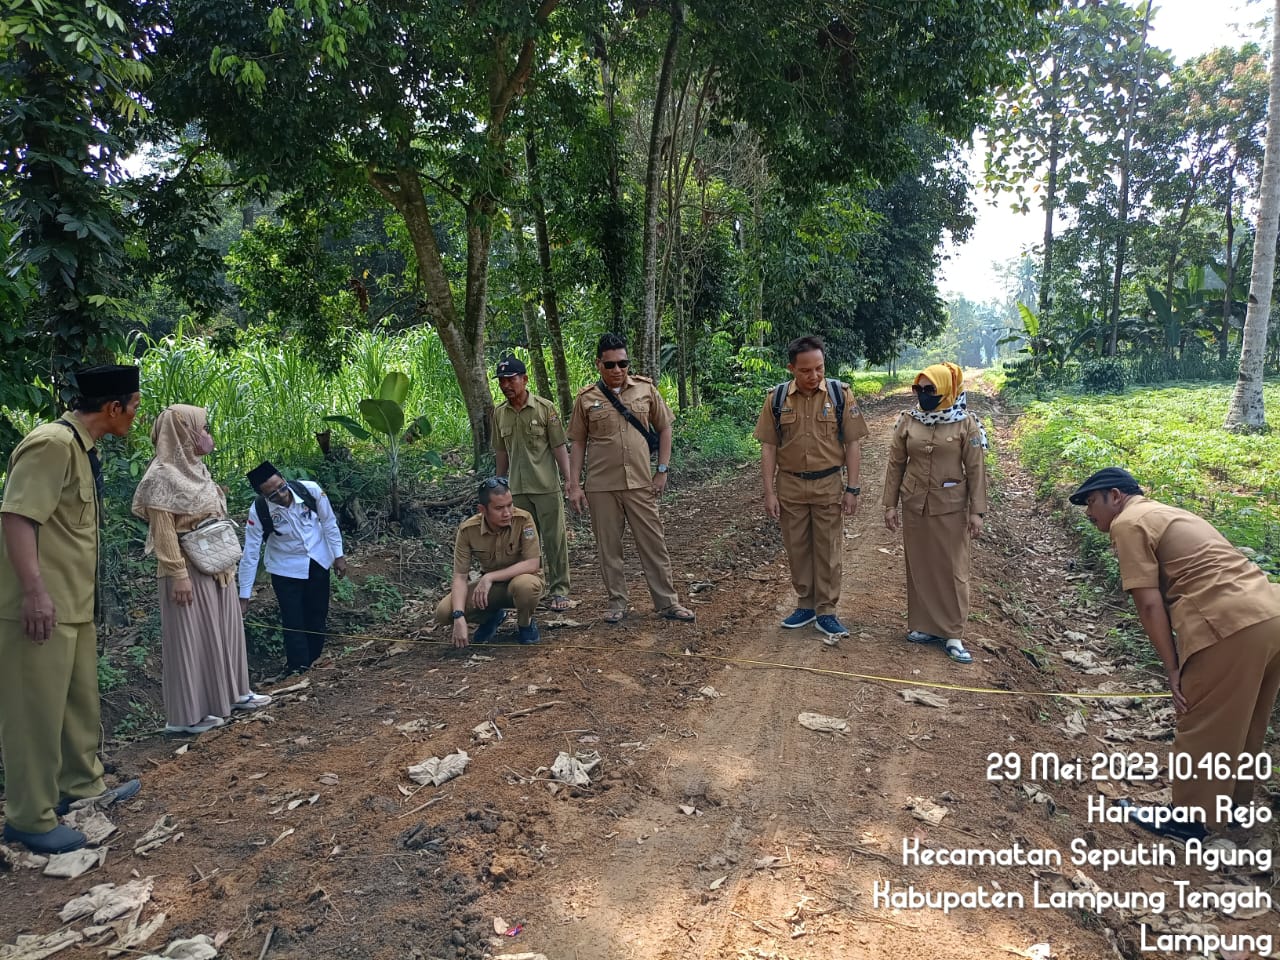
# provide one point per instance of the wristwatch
(459, 614)
(856, 491)
(663, 468)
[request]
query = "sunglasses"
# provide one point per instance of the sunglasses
(610, 364)
(492, 483)
(925, 388)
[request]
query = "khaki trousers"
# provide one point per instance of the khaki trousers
(548, 517)
(610, 510)
(813, 535)
(522, 592)
(49, 721)
(1231, 690)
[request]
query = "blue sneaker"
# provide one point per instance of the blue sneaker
(828, 624)
(61, 839)
(528, 635)
(799, 618)
(484, 633)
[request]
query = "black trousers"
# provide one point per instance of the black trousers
(304, 615)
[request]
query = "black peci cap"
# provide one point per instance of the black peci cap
(261, 474)
(111, 380)
(1108, 478)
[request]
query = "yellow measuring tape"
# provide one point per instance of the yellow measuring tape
(772, 664)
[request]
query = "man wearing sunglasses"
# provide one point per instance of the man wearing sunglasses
(810, 454)
(502, 540)
(618, 423)
(303, 542)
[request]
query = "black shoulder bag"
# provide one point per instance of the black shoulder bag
(650, 436)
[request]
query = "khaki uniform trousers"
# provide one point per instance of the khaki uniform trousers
(813, 535)
(49, 721)
(548, 517)
(522, 592)
(610, 509)
(1231, 690)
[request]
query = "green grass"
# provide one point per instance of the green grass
(1172, 440)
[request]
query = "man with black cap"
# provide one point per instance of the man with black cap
(529, 444)
(303, 541)
(1214, 619)
(49, 708)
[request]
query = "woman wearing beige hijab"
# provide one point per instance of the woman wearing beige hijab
(937, 469)
(206, 672)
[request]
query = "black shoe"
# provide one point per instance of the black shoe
(489, 626)
(60, 839)
(124, 791)
(1146, 818)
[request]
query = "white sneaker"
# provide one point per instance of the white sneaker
(252, 701)
(204, 726)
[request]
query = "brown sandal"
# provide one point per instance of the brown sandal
(678, 613)
(559, 603)
(615, 616)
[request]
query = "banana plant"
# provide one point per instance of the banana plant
(385, 419)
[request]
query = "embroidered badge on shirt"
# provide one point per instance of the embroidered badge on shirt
(528, 533)
(975, 441)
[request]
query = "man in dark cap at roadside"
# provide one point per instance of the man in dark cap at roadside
(1214, 619)
(529, 445)
(296, 522)
(49, 707)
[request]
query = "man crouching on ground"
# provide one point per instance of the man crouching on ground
(503, 542)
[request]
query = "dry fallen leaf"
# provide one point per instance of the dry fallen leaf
(328, 779)
(282, 836)
(717, 884)
(256, 776)
(500, 926)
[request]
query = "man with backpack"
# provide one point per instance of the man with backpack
(296, 521)
(810, 454)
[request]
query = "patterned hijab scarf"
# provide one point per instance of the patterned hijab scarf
(948, 380)
(177, 479)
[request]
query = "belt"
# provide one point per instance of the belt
(816, 474)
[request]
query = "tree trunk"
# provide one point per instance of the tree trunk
(680, 304)
(1122, 215)
(550, 302)
(463, 340)
(1184, 214)
(613, 246)
(1247, 411)
(652, 195)
(1228, 281)
(1051, 189)
(532, 332)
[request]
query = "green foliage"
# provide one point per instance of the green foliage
(141, 720)
(109, 675)
(385, 417)
(1102, 375)
(385, 601)
(1171, 440)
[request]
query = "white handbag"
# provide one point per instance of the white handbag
(213, 547)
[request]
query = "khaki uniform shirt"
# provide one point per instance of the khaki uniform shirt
(1211, 589)
(495, 549)
(50, 481)
(528, 436)
(810, 442)
(936, 469)
(617, 454)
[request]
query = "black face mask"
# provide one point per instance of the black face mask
(929, 401)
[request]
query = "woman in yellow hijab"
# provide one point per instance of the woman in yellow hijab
(937, 471)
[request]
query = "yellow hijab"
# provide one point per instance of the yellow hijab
(947, 379)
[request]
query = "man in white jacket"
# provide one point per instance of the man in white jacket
(303, 542)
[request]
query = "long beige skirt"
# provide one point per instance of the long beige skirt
(206, 668)
(938, 560)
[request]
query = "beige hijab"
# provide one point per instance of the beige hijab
(177, 480)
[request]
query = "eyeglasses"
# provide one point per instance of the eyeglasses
(610, 364)
(278, 494)
(925, 388)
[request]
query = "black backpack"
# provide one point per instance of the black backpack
(264, 514)
(835, 390)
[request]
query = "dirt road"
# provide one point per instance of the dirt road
(715, 825)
